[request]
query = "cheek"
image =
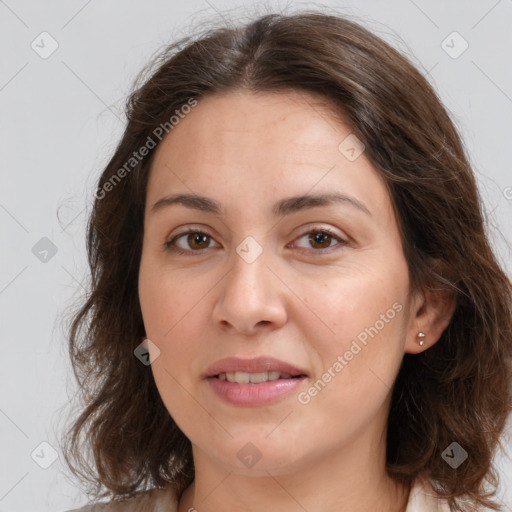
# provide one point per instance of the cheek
(356, 366)
(362, 321)
(171, 309)
(176, 308)
(348, 306)
(169, 300)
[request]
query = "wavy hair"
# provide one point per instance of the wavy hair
(459, 390)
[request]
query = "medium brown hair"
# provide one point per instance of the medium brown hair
(456, 391)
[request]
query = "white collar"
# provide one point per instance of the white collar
(423, 498)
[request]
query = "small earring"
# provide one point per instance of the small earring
(421, 338)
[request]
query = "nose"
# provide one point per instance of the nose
(250, 298)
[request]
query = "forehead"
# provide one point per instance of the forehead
(228, 122)
(262, 146)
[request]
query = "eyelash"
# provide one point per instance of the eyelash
(169, 244)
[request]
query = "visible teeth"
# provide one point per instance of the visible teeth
(241, 378)
(253, 378)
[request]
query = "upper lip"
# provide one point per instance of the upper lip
(254, 365)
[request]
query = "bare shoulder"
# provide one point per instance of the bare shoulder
(154, 500)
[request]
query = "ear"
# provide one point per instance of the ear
(431, 312)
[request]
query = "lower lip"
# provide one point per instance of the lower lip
(254, 394)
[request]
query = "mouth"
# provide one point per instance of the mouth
(255, 378)
(255, 370)
(253, 382)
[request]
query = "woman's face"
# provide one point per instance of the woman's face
(312, 294)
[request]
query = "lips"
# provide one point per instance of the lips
(261, 381)
(259, 365)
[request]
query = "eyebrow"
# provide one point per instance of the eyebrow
(282, 208)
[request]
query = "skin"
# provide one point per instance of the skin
(293, 302)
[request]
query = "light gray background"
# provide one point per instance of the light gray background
(61, 118)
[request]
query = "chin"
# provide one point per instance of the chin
(257, 455)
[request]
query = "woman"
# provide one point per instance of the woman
(294, 302)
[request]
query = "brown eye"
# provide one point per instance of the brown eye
(190, 241)
(198, 240)
(320, 240)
